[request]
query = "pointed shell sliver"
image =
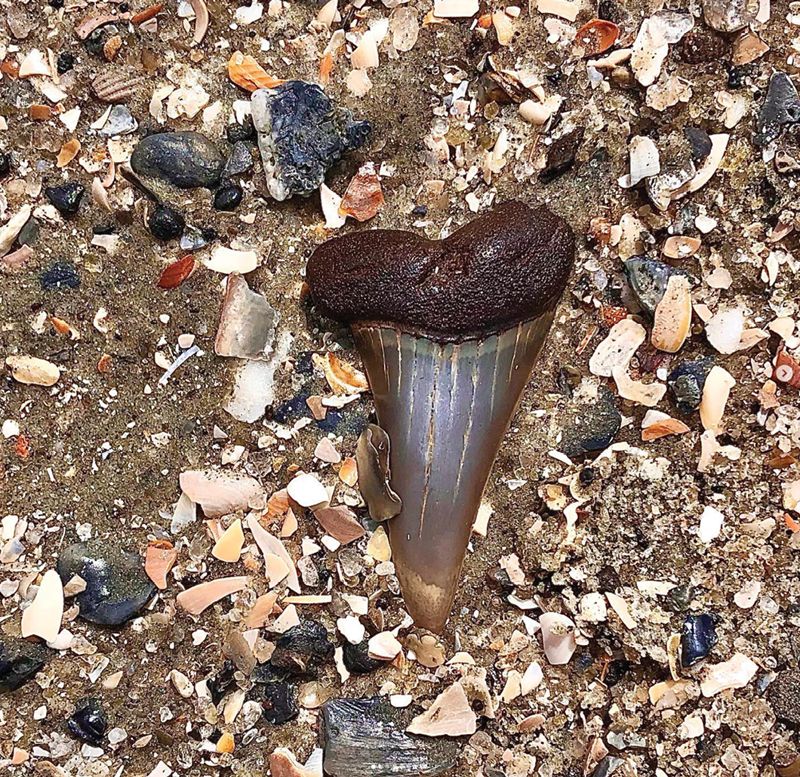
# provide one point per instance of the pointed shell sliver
(197, 598)
(42, 618)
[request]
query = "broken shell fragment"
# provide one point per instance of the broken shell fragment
(374, 474)
(449, 332)
(673, 316)
(716, 391)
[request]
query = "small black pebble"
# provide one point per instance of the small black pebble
(209, 234)
(165, 223)
(56, 3)
(699, 635)
(62, 275)
(5, 164)
(586, 476)
(66, 198)
(279, 703)
(103, 229)
(420, 210)
(356, 658)
(237, 132)
(65, 62)
(228, 197)
(88, 723)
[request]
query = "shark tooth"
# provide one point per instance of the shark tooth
(449, 332)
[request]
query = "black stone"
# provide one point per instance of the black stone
(187, 160)
(228, 197)
(117, 587)
(784, 696)
(5, 164)
(367, 737)
(240, 160)
(591, 427)
(356, 658)
(301, 648)
(65, 62)
(561, 155)
(66, 197)
(781, 107)
(686, 382)
(236, 133)
(61, 275)
(19, 662)
(699, 141)
(165, 223)
(616, 671)
(301, 135)
(88, 723)
(698, 637)
(222, 682)
(648, 280)
(279, 703)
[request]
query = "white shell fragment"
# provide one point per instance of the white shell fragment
(644, 161)
(736, 672)
(307, 491)
(227, 260)
(449, 715)
(42, 618)
(455, 9)
(219, 493)
(33, 371)
(716, 391)
(710, 524)
(724, 329)
(618, 347)
(558, 637)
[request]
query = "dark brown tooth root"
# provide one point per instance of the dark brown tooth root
(445, 407)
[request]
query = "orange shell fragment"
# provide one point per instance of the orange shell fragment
(68, 152)
(158, 561)
(245, 72)
(597, 36)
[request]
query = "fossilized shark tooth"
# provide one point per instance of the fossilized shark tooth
(449, 332)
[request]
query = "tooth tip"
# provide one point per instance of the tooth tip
(428, 604)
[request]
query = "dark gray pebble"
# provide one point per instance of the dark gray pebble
(88, 723)
(117, 587)
(367, 737)
(165, 223)
(66, 197)
(698, 637)
(187, 160)
(19, 662)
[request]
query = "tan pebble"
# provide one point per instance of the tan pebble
(226, 743)
(378, 546)
(673, 316)
(33, 371)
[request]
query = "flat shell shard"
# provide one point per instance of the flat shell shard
(366, 737)
(373, 463)
(449, 715)
(445, 407)
(247, 322)
(300, 135)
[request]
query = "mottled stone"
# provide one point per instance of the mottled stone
(301, 135)
(591, 426)
(781, 108)
(187, 160)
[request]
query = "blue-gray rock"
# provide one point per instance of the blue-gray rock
(781, 107)
(240, 160)
(187, 160)
(117, 587)
(301, 135)
(19, 662)
(367, 737)
(686, 382)
(699, 635)
(648, 280)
